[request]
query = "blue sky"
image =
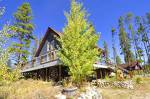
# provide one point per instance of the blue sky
(103, 13)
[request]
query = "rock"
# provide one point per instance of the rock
(91, 93)
(60, 96)
(119, 84)
(112, 74)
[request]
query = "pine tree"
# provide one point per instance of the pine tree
(107, 60)
(125, 43)
(118, 60)
(78, 44)
(134, 35)
(137, 40)
(144, 39)
(147, 35)
(23, 27)
(2, 9)
(131, 34)
(113, 44)
(34, 48)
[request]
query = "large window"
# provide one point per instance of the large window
(50, 45)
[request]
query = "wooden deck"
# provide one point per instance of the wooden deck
(44, 61)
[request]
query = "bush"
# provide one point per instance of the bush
(138, 80)
(147, 69)
(119, 75)
(8, 76)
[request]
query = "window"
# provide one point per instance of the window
(52, 45)
(48, 46)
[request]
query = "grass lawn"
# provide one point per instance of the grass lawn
(141, 91)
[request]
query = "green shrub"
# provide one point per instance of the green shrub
(138, 80)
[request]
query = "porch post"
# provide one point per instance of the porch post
(37, 75)
(100, 73)
(46, 75)
(96, 77)
(59, 72)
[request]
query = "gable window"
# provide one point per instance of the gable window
(51, 45)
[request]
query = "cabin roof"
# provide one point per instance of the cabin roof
(49, 30)
(133, 64)
(59, 34)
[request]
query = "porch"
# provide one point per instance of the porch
(45, 67)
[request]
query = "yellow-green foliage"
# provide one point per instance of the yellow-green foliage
(6, 75)
(28, 89)
(78, 44)
(138, 80)
(119, 75)
(147, 68)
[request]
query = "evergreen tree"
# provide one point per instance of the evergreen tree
(118, 60)
(144, 39)
(78, 44)
(125, 43)
(134, 35)
(137, 40)
(107, 60)
(131, 34)
(23, 27)
(34, 48)
(2, 9)
(147, 35)
(113, 44)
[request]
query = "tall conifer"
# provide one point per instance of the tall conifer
(125, 42)
(23, 28)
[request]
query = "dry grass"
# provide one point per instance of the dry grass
(28, 89)
(141, 91)
(33, 89)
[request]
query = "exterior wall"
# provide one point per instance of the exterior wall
(54, 73)
(102, 73)
(43, 58)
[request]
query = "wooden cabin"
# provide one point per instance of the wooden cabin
(46, 65)
(132, 66)
(102, 71)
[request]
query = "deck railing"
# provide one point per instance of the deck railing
(48, 57)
